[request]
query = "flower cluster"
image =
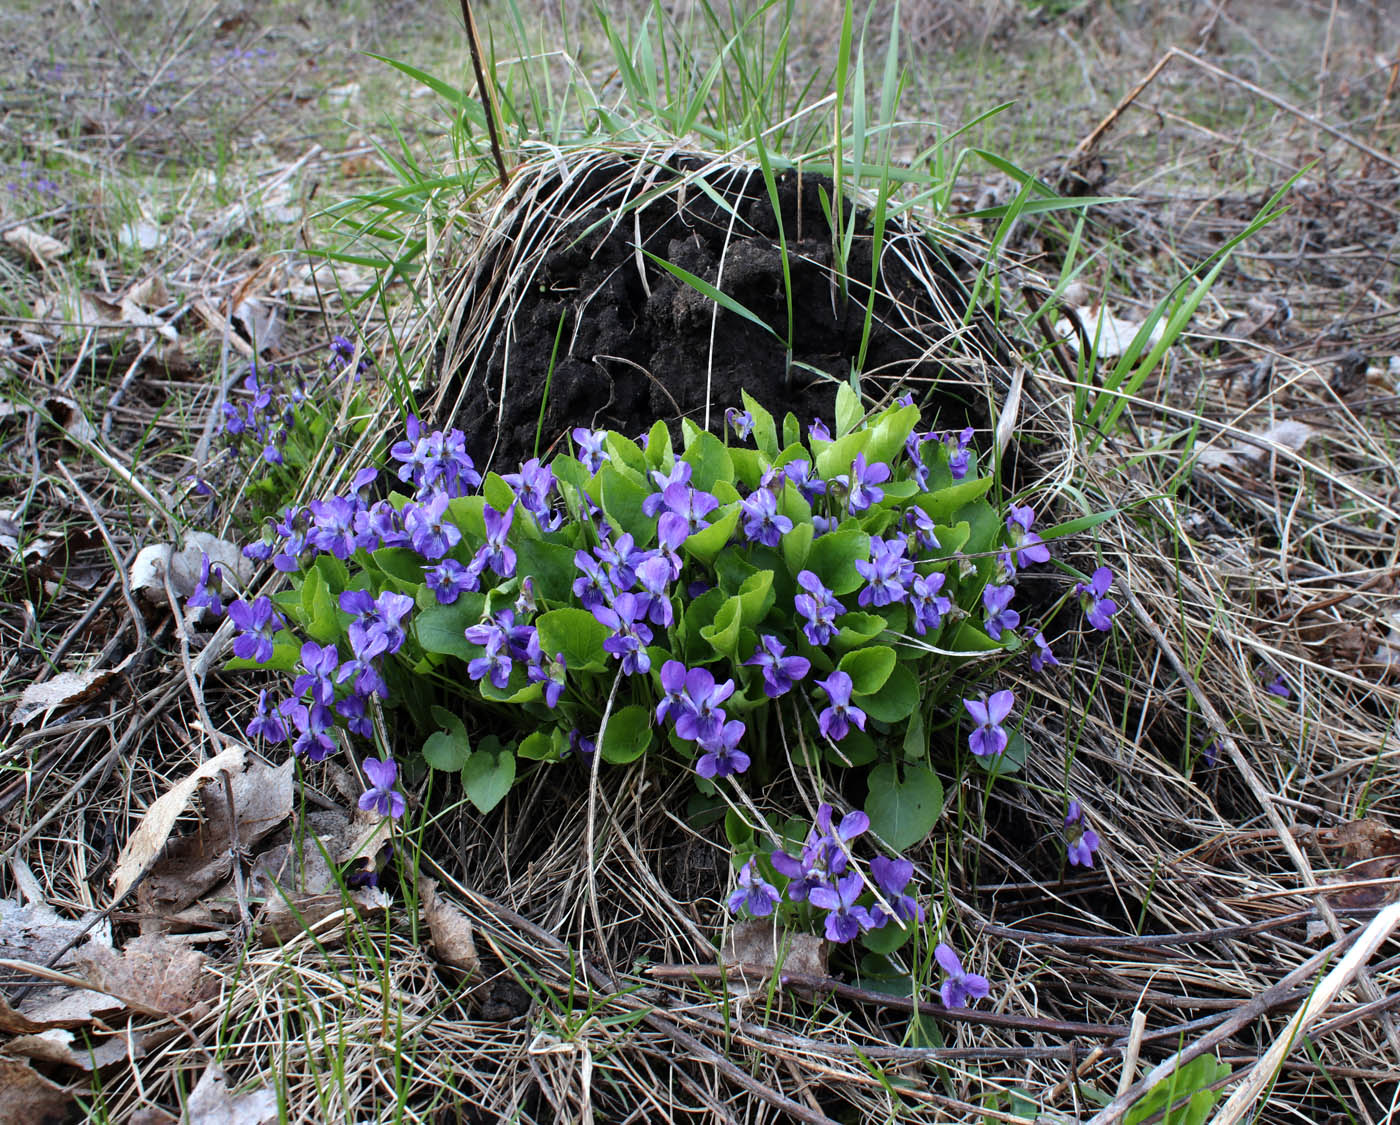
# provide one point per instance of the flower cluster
(689, 597)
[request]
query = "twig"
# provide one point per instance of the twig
(488, 92)
(1089, 143)
(1266, 1068)
(895, 1003)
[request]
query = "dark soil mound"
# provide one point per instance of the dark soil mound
(576, 263)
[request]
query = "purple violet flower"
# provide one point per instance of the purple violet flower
(989, 738)
(382, 797)
(320, 662)
(754, 894)
(533, 486)
(701, 717)
(428, 532)
(959, 459)
(258, 623)
(210, 590)
(928, 605)
(377, 628)
(779, 672)
(1030, 547)
(654, 575)
(679, 474)
(673, 674)
(741, 421)
(1041, 657)
(836, 719)
(267, 721)
(1277, 686)
(817, 431)
(687, 512)
(590, 448)
(762, 521)
(630, 633)
(496, 552)
(892, 876)
(995, 600)
(450, 579)
(845, 921)
(1082, 841)
(1098, 607)
(542, 669)
(593, 588)
(722, 756)
(960, 986)
(819, 606)
(887, 573)
(864, 487)
(800, 473)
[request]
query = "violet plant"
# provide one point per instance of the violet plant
(724, 609)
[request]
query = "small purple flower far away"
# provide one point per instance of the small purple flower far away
(382, 797)
(1082, 841)
(1099, 608)
(959, 986)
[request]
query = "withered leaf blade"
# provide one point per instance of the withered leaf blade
(450, 930)
(263, 797)
(155, 972)
(67, 689)
(35, 244)
(153, 831)
(28, 1098)
(757, 947)
(213, 1103)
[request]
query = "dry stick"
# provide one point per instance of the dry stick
(1266, 1069)
(1088, 144)
(488, 92)
(1243, 1015)
(895, 1003)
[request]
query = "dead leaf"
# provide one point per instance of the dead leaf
(1108, 335)
(1366, 838)
(263, 797)
(759, 946)
(149, 569)
(212, 1103)
(40, 247)
(62, 1048)
(153, 831)
(154, 972)
(28, 1098)
(142, 234)
(1243, 455)
(450, 930)
(259, 322)
(67, 689)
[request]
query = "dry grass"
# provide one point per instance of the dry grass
(1207, 906)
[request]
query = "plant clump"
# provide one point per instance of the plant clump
(830, 603)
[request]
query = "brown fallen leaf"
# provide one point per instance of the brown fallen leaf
(151, 834)
(36, 245)
(58, 1047)
(28, 1098)
(758, 947)
(1366, 838)
(213, 1103)
(155, 560)
(263, 797)
(155, 973)
(449, 929)
(67, 689)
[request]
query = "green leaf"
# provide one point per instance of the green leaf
(625, 451)
(895, 699)
(836, 457)
(658, 448)
(849, 410)
(903, 812)
(833, 557)
(706, 543)
(916, 737)
(887, 938)
(709, 461)
(1193, 1079)
(797, 547)
(756, 597)
(943, 502)
(856, 749)
(723, 633)
(765, 430)
(285, 657)
(577, 634)
(487, 778)
(889, 434)
(402, 567)
(447, 750)
(335, 572)
(497, 493)
(792, 429)
(442, 628)
(737, 830)
(868, 667)
(627, 735)
(857, 629)
(318, 610)
(1008, 762)
(537, 746)
(621, 498)
(447, 721)
(550, 565)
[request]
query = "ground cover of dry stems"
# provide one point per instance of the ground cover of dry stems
(1274, 555)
